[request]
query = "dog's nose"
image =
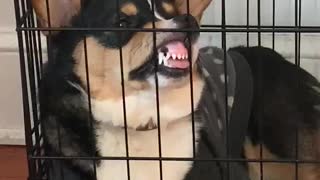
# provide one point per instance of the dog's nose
(186, 21)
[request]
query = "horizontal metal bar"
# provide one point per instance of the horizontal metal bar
(177, 159)
(256, 26)
(266, 30)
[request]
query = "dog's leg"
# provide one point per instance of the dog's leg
(280, 170)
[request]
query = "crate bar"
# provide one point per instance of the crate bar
(248, 22)
(224, 47)
(260, 91)
(33, 75)
(24, 86)
(273, 22)
(179, 159)
(157, 86)
(259, 22)
(191, 86)
(231, 30)
(297, 63)
(123, 95)
(90, 118)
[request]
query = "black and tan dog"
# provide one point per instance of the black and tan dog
(88, 62)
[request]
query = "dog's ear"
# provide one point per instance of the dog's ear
(196, 7)
(58, 13)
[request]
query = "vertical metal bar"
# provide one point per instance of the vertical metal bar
(297, 42)
(49, 55)
(248, 22)
(273, 22)
(259, 22)
(33, 76)
(36, 50)
(224, 46)
(40, 66)
(34, 82)
(31, 82)
(157, 87)
(299, 35)
(191, 86)
(297, 62)
(260, 122)
(123, 96)
(90, 118)
(40, 52)
(34, 42)
(25, 97)
(49, 45)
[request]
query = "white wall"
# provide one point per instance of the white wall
(11, 118)
(236, 14)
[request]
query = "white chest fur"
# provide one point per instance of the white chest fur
(176, 141)
(142, 107)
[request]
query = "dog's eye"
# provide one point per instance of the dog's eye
(123, 22)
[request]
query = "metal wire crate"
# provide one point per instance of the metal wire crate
(34, 50)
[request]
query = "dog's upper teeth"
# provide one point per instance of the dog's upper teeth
(174, 56)
(179, 56)
(160, 58)
(183, 56)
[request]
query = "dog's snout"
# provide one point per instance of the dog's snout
(186, 21)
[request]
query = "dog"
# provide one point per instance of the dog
(84, 113)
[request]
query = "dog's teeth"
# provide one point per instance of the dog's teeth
(166, 63)
(174, 56)
(179, 56)
(186, 56)
(182, 57)
(159, 57)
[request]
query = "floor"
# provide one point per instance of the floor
(13, 163)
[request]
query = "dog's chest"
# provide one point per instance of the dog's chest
(141, 108)
(176, 141)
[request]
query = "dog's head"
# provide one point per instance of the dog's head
(140, 51)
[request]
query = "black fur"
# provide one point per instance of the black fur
(284, 101)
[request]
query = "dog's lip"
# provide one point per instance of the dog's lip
(173, 37)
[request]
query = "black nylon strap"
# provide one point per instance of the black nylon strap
(240, 112)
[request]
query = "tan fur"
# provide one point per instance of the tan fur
(105, 80)
(169, 8)
(196, 7)
(61, 12)
(104, 63)
(129, 9)
(174, 103)
(277, 171)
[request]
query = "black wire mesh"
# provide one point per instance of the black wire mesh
(33, 55)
